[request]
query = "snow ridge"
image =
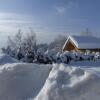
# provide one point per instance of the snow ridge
(70, 83)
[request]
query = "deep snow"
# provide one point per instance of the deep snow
(19, 81)
(4, 58)
(23, 81)
(70, 83)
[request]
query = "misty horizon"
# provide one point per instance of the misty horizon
(48, 18)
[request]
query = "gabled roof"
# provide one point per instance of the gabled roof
(84, 42)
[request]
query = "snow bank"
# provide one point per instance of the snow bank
(6, 59)
(20, 81)
(70, 83)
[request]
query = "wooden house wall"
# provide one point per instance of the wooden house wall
(71, 46)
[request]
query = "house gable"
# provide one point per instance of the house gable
(69, 45)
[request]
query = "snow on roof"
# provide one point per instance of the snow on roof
(85, 42)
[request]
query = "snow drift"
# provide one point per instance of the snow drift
(70, 83)
(4, 58)
(19, 81)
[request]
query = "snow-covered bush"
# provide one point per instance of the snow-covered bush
(58, 57)
(30, 56)
(50, 56)
(97, 55)
(40, 55)
(65, 57)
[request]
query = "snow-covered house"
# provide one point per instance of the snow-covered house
(82, 43)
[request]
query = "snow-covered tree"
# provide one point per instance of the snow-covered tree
(30, 41)
(19, 46)
(43, 46)
(15, 42)
(58, 43)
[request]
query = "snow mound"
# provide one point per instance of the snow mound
(70, 83)
(6, 59)
(20, 81)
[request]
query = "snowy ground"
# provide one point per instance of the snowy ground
(4, 59)
(22, 81)
(71, 83)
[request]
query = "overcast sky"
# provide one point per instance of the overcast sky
(48, 18)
